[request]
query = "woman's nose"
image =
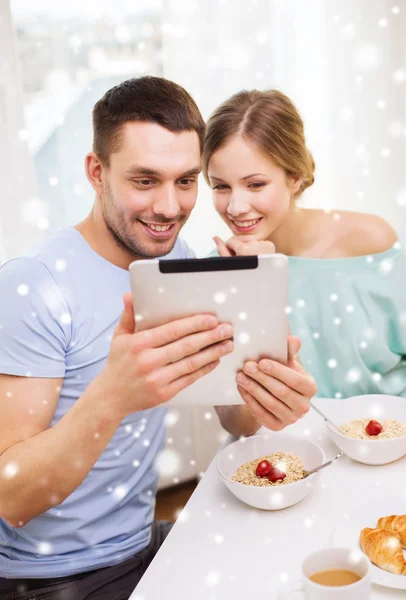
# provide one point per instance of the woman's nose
(238, 205)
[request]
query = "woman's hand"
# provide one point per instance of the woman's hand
(237, 247)
(277, 395)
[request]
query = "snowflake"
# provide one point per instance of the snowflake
(395, 10)
(288, 310)
(332, 363)
(219, 539)
(349, 308)
(337, 321)
(346, 114)
(377, 377)
(128, 428)
(353, 375)
(381, 104)
(136, 463)
(242, 316)
(316, 335)
(243, 337)
(368, 57)
(399, 76)
(220, 297)
(10, 470)
(383, 23)
(275, 498)
(60, 265)
(182, 515)
(168, 462)
(44, 548)
(208, 416)
(301, 303)
(120, 492)
(385, 266)
(212, 578)
(401, 198)
(78, 189)
(65, 319)
(363, 345)
(333, 297)
(146, 443)
(53, 181)
(284, 577)
(23, 289)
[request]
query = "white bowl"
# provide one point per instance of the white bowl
(269, 497)
(373, 406)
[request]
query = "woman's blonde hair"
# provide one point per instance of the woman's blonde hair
(271, 122)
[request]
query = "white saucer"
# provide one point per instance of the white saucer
(348, 530)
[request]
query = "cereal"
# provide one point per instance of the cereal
(356, 430)
(288, 463)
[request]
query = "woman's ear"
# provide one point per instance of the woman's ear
(295, 183)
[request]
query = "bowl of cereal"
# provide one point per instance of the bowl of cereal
(373, 427)
(268, 471)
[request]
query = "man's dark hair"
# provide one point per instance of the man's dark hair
(143, 99)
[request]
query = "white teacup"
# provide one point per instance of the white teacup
(332, 559)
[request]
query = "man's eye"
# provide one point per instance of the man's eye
(186, 181)
(145, 182)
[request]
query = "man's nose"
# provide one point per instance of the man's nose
(166, 203)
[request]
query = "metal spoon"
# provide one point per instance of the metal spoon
(326, 464)
(326, 419)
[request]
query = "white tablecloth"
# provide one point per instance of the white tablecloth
(222, 549)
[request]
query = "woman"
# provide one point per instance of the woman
(347, 270)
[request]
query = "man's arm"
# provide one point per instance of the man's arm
(41, 466)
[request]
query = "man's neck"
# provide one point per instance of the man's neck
(101, 240)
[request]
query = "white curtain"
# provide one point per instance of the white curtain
(18, 230)
(342, 62)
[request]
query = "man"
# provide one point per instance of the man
(82, 397)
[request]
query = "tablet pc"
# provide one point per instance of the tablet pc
(251, 292)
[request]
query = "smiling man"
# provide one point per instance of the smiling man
(82, 393)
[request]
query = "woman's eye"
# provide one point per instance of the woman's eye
(220, 187)
(256, 185)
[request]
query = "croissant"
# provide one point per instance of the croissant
(395, 524)
(383, 549)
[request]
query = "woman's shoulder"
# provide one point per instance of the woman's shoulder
(361, 234)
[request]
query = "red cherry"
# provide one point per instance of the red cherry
(373, 428)
(276, 475)
(263, 468)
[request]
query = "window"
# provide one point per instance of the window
(70, 54)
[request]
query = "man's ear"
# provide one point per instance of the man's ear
(94, 172)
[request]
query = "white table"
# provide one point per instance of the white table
(222, 549)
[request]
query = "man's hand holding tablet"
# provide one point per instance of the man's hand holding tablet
(147, 368)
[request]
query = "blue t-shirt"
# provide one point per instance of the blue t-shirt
(58, 310)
